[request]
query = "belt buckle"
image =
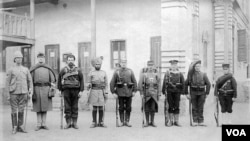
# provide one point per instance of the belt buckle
(125, 84)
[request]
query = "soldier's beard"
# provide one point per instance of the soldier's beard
(71, 65)
(97, 68)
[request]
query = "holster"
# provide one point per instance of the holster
(130, 85)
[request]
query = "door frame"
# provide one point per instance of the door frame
(57, 46)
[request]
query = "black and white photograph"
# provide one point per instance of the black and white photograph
(124, 70)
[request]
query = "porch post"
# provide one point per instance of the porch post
(93, 28)
(32, 30)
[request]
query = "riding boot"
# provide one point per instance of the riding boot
(20, 123)
(14, 123)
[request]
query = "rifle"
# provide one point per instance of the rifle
(143, 107)
(103, 106)
(166, 114)
(190, 113)
(62, 110)
(116, 112)
(216, 113)
(143, 100)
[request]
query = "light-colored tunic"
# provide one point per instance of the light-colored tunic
(96, 97)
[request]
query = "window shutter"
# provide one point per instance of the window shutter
(242, 45)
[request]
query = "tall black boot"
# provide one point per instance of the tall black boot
(14, 123)
(152, 119)
(68, 121)
(20, 122)
(94, 124)
(127, 119)
(122, 117)
(75, 123)
(147, 119)
(101, 123)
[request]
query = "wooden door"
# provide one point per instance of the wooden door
(84, 62)
(26, 51)
(52, 57)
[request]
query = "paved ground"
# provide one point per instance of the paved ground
(187, 133)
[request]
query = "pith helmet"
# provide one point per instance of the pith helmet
(17, 54)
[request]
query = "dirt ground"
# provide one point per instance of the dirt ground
(241, 115)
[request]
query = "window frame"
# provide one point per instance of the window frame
(119, 51)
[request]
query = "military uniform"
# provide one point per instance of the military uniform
(199, 86)
(98, 82)
(173, 87)
(123, 84)
(226, 90)
(43, 79)
(149, 88)
(19, 85)
(70, 83)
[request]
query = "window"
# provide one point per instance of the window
(118, 51)
(242, 45)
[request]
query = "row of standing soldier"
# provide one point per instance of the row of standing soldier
(39, 83)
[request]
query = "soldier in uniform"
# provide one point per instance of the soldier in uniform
(98, 82)
(149, 90)
(123, 86)
(71, 84)
(172, 87)
(19, 88)
(226, 91)
(43, 78)
(199, 86)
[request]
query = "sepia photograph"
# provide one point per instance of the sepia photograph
(124, 70)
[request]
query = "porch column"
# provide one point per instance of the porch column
(196, 30)
(93, 28)
(32, 30)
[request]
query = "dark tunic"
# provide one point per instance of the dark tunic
(199, 87)
(120, 82)
(226, 89)
(70, 91)
(173, 87)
